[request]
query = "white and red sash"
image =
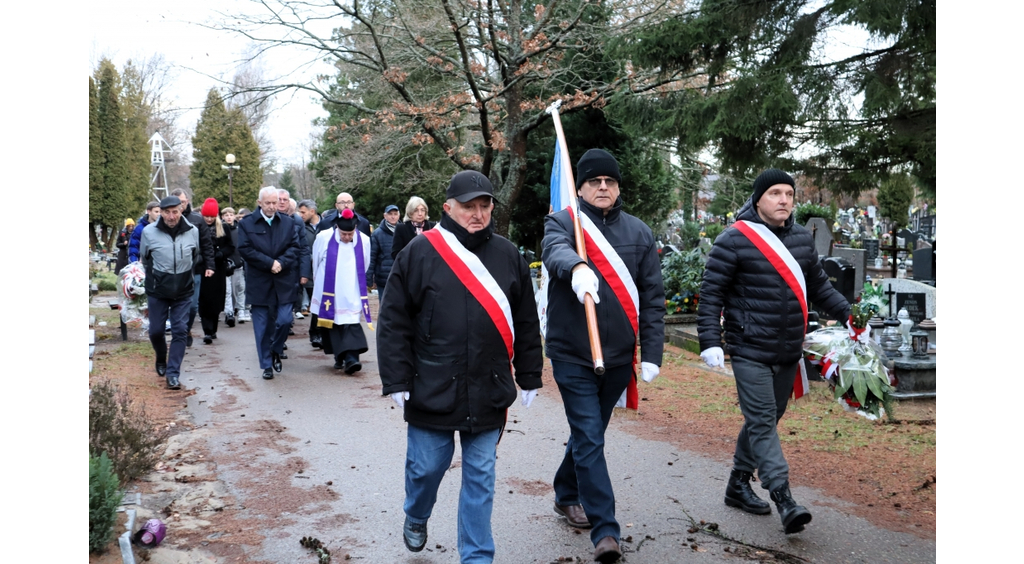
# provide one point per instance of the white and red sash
(618, 278)
(471, 272)
(784, 262)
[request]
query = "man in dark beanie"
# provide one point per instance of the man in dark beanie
(623, 274)
(761, 274)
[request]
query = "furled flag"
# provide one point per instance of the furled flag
(561, 198)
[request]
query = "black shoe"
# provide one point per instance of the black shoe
(188, 340)
(214, 335)
(229, 320)
(161, 368)
(283, 356)
(317, 342)
(275, 361)
(339, 364)
(739, 494)
(351, 367)
(290, 332)
(794, 516)
(268, 374)
(207, 340)
(285, 347)
(172, 383)
(415, 536)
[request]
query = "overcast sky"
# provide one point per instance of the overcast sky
(123, 30)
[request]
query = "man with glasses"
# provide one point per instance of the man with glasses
(343, 202)
(623, 275)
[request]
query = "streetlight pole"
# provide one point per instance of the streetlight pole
(231, 167)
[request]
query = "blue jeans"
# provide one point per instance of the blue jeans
(763, 392)
(160, 311)
(428, 456)
(195, 301)
(582, 478)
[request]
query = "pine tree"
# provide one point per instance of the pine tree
(221, 131)
(113, 202)
(136, 114)
(95, 164)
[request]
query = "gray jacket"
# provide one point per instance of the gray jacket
(169, 254)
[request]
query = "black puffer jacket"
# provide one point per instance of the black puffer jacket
(763, 319)
(437, 342)
(633, 241)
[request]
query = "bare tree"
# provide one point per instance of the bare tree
(245, 94)
(471, 77)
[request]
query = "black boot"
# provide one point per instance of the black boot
(794, 516)
(739, 494)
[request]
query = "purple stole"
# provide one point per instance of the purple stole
(325, 318)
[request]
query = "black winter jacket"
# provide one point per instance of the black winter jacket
(380, 255)
(404, 232)
(566, 339)
(205, 259)
(763, 319)
(436, 341)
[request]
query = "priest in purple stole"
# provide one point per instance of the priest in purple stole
(341, 256)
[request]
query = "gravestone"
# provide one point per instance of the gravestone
(842, 276)
(918, 298)
(908, 236)
(822, 235)
(924, 264)
(926, 225)
(871, 248)
(858, 258)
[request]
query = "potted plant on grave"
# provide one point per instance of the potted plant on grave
(681, 275)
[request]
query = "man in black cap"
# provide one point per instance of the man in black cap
(380, 253)
(760, 275)
(340, 258)
(169, 250)
(623, 275)
(459, 306)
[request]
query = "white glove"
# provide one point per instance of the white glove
(584, 282)
(528, 396)
(649, 371)
(864, 337)
(400, 398)
(714, 356)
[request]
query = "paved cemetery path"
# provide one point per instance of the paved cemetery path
(314, 452)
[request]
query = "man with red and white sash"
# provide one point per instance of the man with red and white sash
(341, 257)
(623, 274)
(760, 275)
(457, 321)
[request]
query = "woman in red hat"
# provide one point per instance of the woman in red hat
(211, 292)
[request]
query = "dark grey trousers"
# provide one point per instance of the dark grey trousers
(763, 391)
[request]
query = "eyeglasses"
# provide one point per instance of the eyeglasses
(596, 182)
(345, 202)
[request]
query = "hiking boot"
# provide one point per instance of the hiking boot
(740, 495)
(414, 535)
(794, 516)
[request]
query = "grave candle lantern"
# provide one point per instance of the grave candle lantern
(920, 343)
(891, 338)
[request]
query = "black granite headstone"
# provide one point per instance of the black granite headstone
(915, 304)
(842, 275)
(871, 246)
(924, 264)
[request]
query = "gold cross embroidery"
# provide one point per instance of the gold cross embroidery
(327, 304)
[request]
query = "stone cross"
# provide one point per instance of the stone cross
(892, 302)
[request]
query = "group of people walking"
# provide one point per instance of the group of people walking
(458, 329)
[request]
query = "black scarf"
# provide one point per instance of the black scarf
(469, 240)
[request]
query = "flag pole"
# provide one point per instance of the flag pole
(581, 248)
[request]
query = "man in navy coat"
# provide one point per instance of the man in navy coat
(269, 244)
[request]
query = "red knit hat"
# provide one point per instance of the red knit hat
(210, 208)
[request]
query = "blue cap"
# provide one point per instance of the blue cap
(391, 208)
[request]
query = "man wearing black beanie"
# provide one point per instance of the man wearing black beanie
(623, 274)
(764, 304)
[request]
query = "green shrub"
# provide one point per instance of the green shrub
(105, 285)
(689, 235)
(104, 497)
(120, 428)
(713, 230)
(682, 274)
(804, 212)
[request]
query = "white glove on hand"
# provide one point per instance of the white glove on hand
(400, 398)
(864, 337)
(714, 356)
(528, 396)
(584, 282)
(649, 371)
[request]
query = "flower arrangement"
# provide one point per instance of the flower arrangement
(131, 293)
(853, 363)
(682, 303)
(681, 275)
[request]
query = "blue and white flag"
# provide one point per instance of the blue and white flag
(561, 197)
